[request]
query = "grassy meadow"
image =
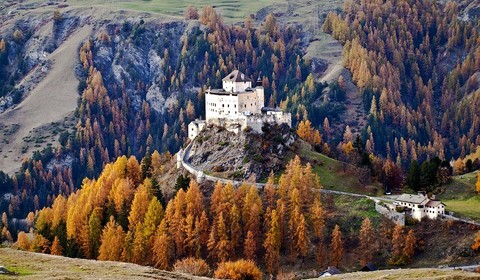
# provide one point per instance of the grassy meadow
(461, 197)
(232, 10)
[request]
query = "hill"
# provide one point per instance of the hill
(35, 266)
(461, 197)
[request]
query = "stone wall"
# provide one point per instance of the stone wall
(398, 218)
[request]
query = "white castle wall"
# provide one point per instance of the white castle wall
(220, 106)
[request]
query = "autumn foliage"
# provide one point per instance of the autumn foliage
(241, 269)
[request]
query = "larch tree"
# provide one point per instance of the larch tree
(272, 245)
(22, 241)
(191, 237)
(162, 249)
(250, 246)
(301, 237)
(224, 245)
(268, 194)
(138, 210)
(153, 217)
(397, 244)
(409, 249)
(235, 229)
(317, 217)
(367, 241)
(477, 184)
(476, 242)
(94, 233)
(337, 246)
(139, 245)
(56, 247)
(112, 241)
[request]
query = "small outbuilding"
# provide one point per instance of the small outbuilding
(369, 267)
(330, 271)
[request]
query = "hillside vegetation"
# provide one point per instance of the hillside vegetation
(35, 266)
(460, 196)
(416, 63)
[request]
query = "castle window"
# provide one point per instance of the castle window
(223, 105)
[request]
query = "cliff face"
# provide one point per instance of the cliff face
(219, 152)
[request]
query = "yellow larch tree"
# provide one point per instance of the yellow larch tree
(56, 247)
(163, 248)
(112, 241)
(272, 245)
(337, 246)
(367, 241)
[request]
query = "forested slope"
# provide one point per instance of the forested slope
(416, 63)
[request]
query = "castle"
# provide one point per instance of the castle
(237, 106)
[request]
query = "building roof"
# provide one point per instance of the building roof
(433, 203)
(412, 198)
(236, 76)
(369, 267)
(267, 109)
(331, 270)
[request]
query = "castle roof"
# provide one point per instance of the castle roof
(236, 76)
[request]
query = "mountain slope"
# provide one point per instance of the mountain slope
(51, 100)
(36, 266)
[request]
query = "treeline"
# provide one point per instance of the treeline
(121, 217)
(397, 52)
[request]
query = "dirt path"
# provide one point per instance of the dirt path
(52, 100)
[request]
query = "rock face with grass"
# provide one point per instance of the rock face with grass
(220, 152)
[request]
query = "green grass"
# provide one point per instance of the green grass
(232, 10)
(336, 175)
(460, 196)
(22, 271)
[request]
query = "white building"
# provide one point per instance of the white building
(420, 206)
(236, 106)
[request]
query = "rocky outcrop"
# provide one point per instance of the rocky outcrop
(217, 151)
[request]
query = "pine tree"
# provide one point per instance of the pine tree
(367, 246)
(337, 246)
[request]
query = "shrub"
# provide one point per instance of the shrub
(241, 269)
(193, 266)
(18, 36)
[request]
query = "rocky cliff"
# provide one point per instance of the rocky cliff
(229, 155)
